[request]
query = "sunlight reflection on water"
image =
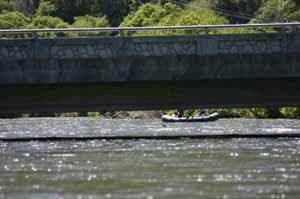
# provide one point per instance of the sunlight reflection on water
(236, 168)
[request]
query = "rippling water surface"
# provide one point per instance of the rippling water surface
(235, 168)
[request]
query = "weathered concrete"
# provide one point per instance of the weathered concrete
(128, 73)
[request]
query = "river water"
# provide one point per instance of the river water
(148, 169)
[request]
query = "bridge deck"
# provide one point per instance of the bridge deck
(143, 73)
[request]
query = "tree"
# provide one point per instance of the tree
(91, 22)
(200, 16)
(170, 14)
(46, 8)
(13, 20)
(279, 11)
(147, 15)
(115, 10)
(238, 11)
(68, 9)
(43, 20)
(6, 6)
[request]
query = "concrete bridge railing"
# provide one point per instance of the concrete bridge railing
(150, 72)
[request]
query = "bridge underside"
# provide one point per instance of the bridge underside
(149, 73)
(149, 95)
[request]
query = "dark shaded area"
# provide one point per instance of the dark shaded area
(125, 96)
(238, 11)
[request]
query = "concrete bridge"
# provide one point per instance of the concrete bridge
(149, 72)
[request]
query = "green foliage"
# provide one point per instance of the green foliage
(249, 112)
(44, 22)
(258, 112)
(147, 15)
(238, 11)
(291, 112)
(171, 15)
(235, 11)
(13, 20)
(6, 6)
(91, 22)
(93, 114)
(279, 11)
(46, 8)
(68, 9)
(190, 113)
(199, 16)
(115, 10)
(71, 114)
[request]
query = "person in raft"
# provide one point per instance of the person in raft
(201, 112)
(179, 113)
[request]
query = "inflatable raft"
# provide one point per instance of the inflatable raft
(205, 118)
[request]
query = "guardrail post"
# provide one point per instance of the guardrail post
(34, 35)
(34, 48)
(206, 31)
(121, 32)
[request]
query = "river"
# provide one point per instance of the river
(148, 169)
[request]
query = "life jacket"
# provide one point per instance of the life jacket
(179, 114)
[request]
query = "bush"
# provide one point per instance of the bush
(291, 112)
(44, 22)
(13, 20)
(46, 8)
(88, 21)
(172, 15)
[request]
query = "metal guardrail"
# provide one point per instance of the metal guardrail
(130, 29)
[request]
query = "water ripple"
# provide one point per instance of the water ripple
(235, 168)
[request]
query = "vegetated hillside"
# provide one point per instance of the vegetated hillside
(236, 11)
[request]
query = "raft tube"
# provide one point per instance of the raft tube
(205, 118)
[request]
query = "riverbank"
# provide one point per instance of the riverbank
(111, 114)
(288, 113)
